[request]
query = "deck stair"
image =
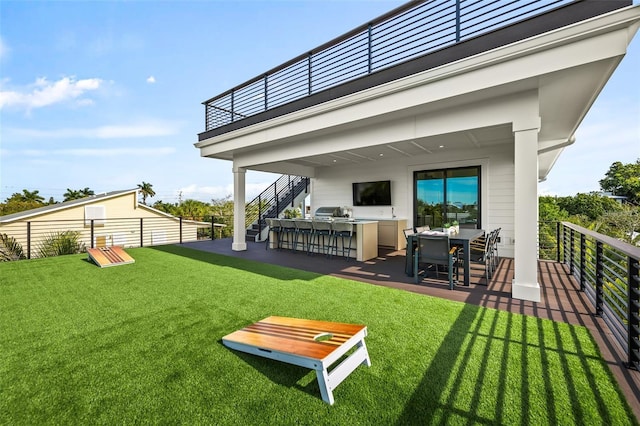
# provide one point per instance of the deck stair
(285, 193)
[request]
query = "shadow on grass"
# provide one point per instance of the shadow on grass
(248, 265)
(503, 368)
(281, 373)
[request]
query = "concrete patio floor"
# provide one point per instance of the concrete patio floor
(561, 299)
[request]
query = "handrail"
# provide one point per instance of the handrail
(270, 202)
(608, 272)
(411, 30)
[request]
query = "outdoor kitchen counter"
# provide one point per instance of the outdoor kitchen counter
(364, 245)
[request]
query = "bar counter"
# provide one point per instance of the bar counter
(364, 245)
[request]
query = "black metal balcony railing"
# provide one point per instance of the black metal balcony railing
(608, 271)
(409, 31)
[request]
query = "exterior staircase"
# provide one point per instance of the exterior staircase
(285, 193)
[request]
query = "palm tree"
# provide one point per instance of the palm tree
(86, 192)
(71, 194)
(31, 196)
(146, 190)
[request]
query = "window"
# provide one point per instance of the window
(442, 196)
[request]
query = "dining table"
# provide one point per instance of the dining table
(462, 238)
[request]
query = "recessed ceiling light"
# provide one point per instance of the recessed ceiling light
(335, 161)
(441, 146)
(381, 155)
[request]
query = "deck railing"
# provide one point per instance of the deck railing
(37, 237)
(277, 197)
(608, 271)
(414, 29)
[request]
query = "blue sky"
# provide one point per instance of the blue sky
(107, 94)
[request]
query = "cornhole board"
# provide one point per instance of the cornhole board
(109, 256)
(306, 343)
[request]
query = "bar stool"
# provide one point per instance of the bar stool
(288, 230)
(274, 226)
(303, 229)
(344, 231)
(321, 229)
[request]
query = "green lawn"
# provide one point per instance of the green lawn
(141, 343)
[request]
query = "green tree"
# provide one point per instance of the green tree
(146, 190)
(170, 208)
(19, 202)
(592, 205)
(623, 224)
(624, 180)
(86, 192)
(222, 213)
(32, 196)
(73, 194)
(194, 210)
(549, 210)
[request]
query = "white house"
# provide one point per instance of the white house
(495, 107)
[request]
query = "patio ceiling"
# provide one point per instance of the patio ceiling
(470, 139)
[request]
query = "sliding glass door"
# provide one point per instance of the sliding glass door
(447, 195)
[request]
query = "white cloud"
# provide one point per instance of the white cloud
(207, 193)
(151, 79)
(138, 130)
(44, 92)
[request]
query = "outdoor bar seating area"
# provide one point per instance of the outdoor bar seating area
(343, 237)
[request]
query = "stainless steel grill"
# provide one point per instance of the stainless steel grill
(328, 212)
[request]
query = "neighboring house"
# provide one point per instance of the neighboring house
(109, 219)
(620, 199)
(431, 100)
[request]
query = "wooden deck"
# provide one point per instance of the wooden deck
(561, 299)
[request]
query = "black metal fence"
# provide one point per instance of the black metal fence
(608, 271)
(412, 30)
(36, 237)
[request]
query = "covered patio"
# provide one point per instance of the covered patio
(561, 298)
(502, 102)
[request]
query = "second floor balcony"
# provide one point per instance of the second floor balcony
(412, 38)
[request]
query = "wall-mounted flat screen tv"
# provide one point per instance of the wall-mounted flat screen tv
(372, 193)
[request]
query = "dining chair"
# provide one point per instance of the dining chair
(407, 232)
(436, 250)
(494, 248)
(480, 253)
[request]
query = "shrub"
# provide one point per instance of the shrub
(56, 244)
(10, 249)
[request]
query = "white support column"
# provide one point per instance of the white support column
(525, 283)
(239, 225)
